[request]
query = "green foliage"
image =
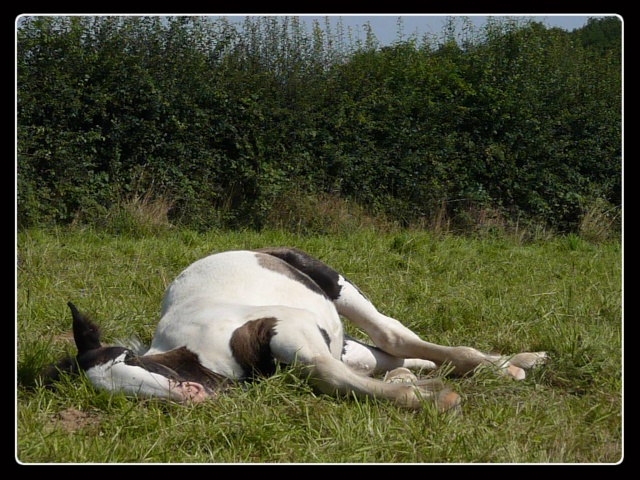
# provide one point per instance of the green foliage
(222, 119)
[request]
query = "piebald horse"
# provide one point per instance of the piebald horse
(234, 316)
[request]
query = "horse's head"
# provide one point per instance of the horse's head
(116, 368)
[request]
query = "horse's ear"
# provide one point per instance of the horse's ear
(85, 333)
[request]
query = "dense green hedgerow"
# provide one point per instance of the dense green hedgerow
(221, 120)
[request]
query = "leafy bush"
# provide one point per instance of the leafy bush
(221, 119)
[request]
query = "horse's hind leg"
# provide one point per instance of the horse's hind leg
(370, 360)
(388, 334)
(393, 337)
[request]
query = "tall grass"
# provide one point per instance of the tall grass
(562, 295)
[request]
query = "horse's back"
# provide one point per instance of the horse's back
(218, 294)
(244, 278)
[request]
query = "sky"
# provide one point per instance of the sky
(385, 26)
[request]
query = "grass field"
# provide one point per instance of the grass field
(563, 296)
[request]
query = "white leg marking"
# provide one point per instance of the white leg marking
(333, 377)
(398, 341)
(373, 361)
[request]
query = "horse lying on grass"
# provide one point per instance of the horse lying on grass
(233, 316)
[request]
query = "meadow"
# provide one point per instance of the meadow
(562, 295)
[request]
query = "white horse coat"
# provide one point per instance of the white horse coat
(235, 315)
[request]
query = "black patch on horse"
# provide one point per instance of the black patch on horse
(251, 348)
(324, 277)
(181, 365)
